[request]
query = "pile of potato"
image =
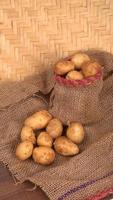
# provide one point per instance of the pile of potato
(42, 146)
(78, 67)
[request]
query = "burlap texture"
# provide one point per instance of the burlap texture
(73, 178)
(77, 103)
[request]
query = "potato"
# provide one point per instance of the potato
(28, 134)
(24, 150)
(38, 120)
(90, 68)
(75, 132)
(54, 128)
(65, 147)
(43, 155)
(44, 139)
(63, 67)
(74, 75)
(79, 58)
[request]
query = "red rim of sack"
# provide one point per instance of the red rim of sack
(75, 83)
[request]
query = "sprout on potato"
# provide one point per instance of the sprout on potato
(54, 128)
(43, 155)
(24, 150)
(65, 146)
(28, 134)
(38, 120)
(75, 132)
(44, 139)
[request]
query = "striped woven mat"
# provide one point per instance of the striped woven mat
(34, 34)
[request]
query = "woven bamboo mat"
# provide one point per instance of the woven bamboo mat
(36, 33)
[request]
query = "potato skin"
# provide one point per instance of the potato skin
(90, 68)
(63, 67)
(79, 58)
(24, 150)
(54, 128)
(75, 132)
(74, 75)
(38, 120)
(65, 147)
(44, 139)
(28, 134)
(43, 155)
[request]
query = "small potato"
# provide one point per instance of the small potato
(54, 128)
(43, 155)
(79, 58)
(74, 75)
(38, 120)
(24, 150)
(44, 139)
(63, 67)
(75, 132)
(65, 147)
(90, 68)
(28, 134)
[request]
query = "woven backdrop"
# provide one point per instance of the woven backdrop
(36, 33)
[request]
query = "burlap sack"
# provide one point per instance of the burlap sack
(79, 100)
(72, 178)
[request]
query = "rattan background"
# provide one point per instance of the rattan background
(36, 33)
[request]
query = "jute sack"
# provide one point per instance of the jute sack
(70, 178)
(80, 100)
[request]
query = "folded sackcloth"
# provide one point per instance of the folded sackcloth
(72, 178)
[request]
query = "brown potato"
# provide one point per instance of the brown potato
(79, 58)
(75, 132)
(74, 75)
(28, 134)
(44, 139)
(24, 150)
(38, 120)
(63, 67)
(90, 68)
(43, 155)
(65, 147)
(54, 128)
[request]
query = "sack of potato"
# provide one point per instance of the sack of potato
(55, 150)
(51, 134)
(76, 93)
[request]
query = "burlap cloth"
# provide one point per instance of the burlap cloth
(74, 178)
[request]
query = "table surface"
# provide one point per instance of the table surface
(9, 191)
